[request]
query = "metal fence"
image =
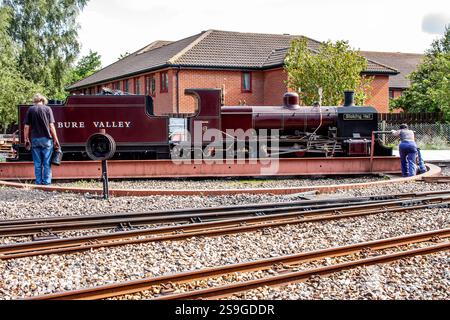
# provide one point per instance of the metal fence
(410, 118)
(429, 136)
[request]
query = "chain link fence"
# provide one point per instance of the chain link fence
(429, 136)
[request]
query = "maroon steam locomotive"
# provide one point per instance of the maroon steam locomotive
(140, 134)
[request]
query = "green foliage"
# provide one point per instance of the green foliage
(46, 34)
(14, 88)
(430, 83)
(85, 67)
(434, 142)
(334, 67)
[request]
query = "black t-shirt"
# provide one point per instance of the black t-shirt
(39, 118)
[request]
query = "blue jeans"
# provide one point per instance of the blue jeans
(42, 149)
(422, 167)
(408, 156)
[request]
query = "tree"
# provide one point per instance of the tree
(46, 33)
(430, 83)
(85, 67)
(14, 88)
(334, 67)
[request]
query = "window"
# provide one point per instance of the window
(153, 86)
(99, 89)
(246, 82)
(164, 82)
(116, 85)
(126, 86)
(391, 94)
(147, 86)
(137, 86)
(150, 85)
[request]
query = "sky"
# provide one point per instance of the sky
(114, 27)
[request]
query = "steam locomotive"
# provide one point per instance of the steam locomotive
(316, 131)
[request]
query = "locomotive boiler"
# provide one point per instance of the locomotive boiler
(140, 134)
(316, 130)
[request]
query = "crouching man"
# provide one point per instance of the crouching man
(408, 150)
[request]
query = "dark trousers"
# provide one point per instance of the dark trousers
(408, 156)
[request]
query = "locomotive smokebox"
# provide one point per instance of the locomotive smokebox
(291, 100)
(349, 98)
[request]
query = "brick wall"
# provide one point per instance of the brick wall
(379, 93)
(274, 87)
(268, 88)
(230, 81)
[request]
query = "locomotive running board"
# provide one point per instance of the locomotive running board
(132, 169)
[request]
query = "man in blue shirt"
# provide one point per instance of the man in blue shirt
(43, 138)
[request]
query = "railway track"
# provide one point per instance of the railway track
(52, 225)
(438, 239)
(438, 179)
(220, 227)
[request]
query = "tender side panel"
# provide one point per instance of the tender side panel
(128, 125)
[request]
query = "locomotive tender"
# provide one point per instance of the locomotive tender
(140, 134)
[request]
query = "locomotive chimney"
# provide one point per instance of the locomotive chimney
(291, 100)
(349, 98)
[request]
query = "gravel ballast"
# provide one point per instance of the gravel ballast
(223, 183)
(46, 274)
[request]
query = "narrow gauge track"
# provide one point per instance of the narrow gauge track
(437, 179)
(214, 228)
(25, 227)
(129, 287)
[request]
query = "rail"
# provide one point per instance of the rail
(214, 228)
(130, 287)
(52, 225)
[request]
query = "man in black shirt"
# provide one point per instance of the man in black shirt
(43, 138)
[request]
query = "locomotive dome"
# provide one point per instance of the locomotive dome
(291, 100)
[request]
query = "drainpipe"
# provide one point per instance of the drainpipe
(178, 90)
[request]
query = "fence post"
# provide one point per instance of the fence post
(383, 128)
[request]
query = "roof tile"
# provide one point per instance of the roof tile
(212, 48)
(405, 63)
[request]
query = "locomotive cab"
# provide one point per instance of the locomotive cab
(355, 125)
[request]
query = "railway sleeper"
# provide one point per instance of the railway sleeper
(411, 203)
(196, 220)
(45, 234)
(125, 226)
(438, 206)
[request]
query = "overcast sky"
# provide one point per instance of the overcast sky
(113, 27)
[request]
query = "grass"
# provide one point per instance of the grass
(433, 143)
(426, 142)
(85, 183)
(251, 182)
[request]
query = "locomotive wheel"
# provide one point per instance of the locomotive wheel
(300, 154)
(180, 152)
(209, 152)
(263, 151)
(100, 146)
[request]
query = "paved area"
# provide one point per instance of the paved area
(433, 155)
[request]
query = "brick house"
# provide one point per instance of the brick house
(247, 66)
(405, 63)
